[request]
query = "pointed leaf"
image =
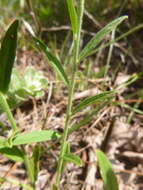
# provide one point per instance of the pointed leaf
(68, 148)
(80, 12)
(87, 119)
(73, 16)
(94, 99)
(66, 151)
(7, 55)
(5, 107)
(73, 158)
(35, 136)
(107, 173)
(35, 162)
(100, 36)
(54, 187)
(13, 153)
(53, 59)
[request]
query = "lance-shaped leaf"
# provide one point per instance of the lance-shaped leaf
(35, 136)
(53, 60)
(73, 158)
(80, 11)
(107, 173)
(66, 151)
(87, 119)
(73, 16)
(34, 161)
(13, 153)
(94, 99)
(7, 55)
(54, 187)
(100, 36)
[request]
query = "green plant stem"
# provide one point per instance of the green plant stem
(130, 117)
(109, 54)
(4, 105)
(76, 38)
(6, 109)
(68, 115)
(69, 108)
(28, 167)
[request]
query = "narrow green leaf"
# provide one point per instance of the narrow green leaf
(73, 16)
(18, 183)
(35, 136)
(35, 161)
(124, 35)
(7, 55)
(66, 151)
(13, 153)
(100, 36)
(53, 59)
(133, 109)
(87, 119)
(54, 187)
(107, 173)
(73, 158)
(68, 148)
(94, 99)
(80, 12)
(5, 107)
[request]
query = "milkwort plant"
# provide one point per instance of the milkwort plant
(76, 18)
(13, 146)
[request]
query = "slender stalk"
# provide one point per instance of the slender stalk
(76, 37)
(28, 167)
(34, 16)
(109, 54)
(6, 109)
(68, 115)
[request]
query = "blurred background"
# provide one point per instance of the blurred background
(50, 21)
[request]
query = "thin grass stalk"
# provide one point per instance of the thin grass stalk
(109, 54)
(76, 37)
